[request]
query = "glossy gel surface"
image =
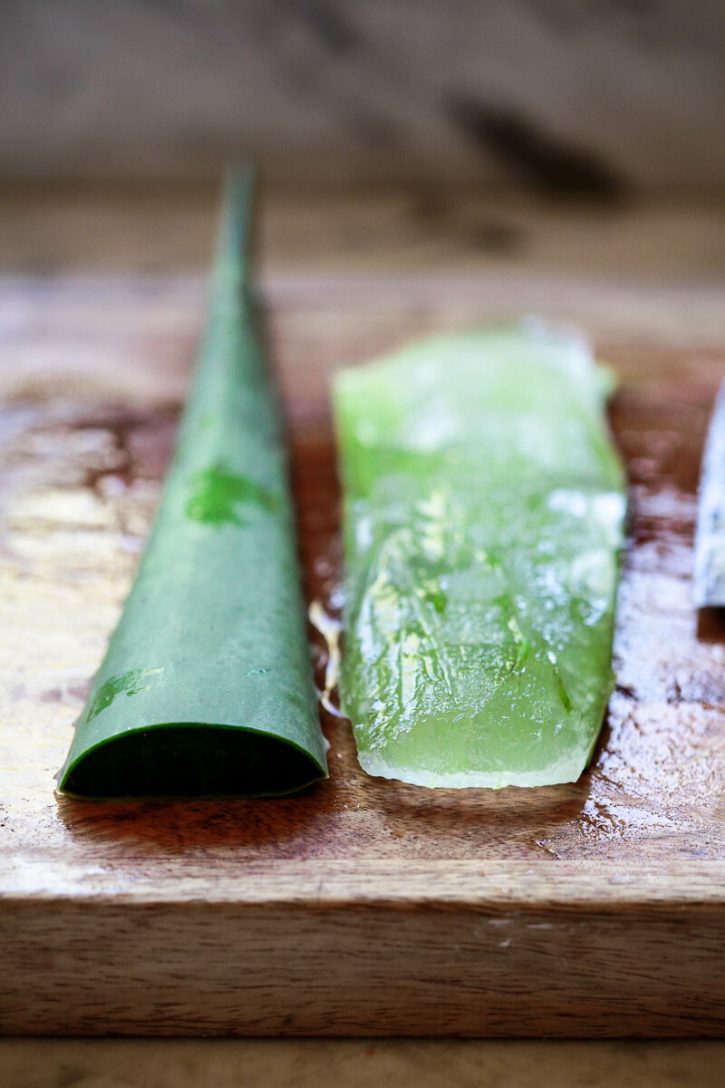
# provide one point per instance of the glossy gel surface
(484, 507)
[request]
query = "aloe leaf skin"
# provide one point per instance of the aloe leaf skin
(206, 688)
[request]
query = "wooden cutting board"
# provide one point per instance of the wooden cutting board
(362, 906)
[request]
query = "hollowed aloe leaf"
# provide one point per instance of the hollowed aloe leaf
(206, 687)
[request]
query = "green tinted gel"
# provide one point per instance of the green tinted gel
(484, 507)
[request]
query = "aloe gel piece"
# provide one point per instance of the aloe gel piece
(483, 510)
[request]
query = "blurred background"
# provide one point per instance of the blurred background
(560, 96)
(391, 133)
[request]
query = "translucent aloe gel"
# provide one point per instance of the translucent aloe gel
(484, 506)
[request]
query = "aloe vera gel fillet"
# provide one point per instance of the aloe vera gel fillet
(483, 508)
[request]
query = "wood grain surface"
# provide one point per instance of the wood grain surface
(362, 906)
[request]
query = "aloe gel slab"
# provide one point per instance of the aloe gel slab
(483, 508)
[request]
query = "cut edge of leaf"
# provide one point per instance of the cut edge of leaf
(190, 759)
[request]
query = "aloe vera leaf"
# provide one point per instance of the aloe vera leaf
(206, 687)
(483, 509)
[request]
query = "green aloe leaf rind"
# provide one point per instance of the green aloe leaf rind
(206, 687)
